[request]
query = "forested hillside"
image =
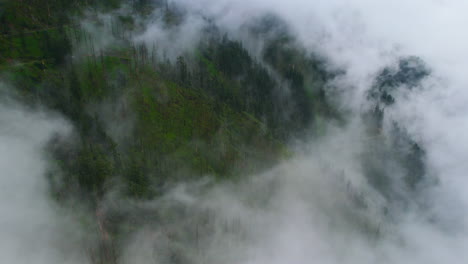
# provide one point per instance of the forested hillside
(143, 122)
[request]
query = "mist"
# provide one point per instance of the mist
(33, 228)
(347, 195)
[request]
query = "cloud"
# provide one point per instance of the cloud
(32, 228)
(171, 42)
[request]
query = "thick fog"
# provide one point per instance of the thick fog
(33, 229)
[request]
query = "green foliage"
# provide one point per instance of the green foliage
(52, 45)
(93, 168)
(213, 114)
(142, 124)
(178, 131)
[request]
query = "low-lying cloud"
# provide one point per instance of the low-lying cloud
(33, 229)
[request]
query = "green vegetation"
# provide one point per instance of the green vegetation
(143, 123)
(217, 112)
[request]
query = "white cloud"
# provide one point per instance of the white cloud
(32, 229)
